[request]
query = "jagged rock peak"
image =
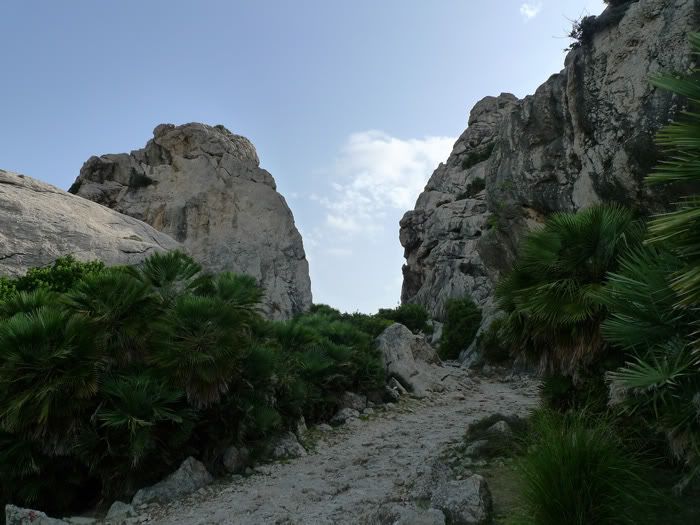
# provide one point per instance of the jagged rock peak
(39, 223)
(584, 136)
(203, 186)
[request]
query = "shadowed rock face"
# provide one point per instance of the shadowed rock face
(585, 136)
(203, 186)
(39, 223)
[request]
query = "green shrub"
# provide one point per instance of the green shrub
(109, 377)
(477, 156)
(61, 276)
(462, 321)
(413, 316)
(492, 344)
(551, 297)
(578, 471)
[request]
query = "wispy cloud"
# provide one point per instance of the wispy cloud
(353, 243)
(530, 10)
(375, 174)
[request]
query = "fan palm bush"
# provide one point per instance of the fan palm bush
(681, 141)
(654, 298)
(49, 369)
(550, 296)
(109, 377)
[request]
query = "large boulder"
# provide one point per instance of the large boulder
(39, 223)
(397, 345)
(287, 446)
(584, 136)
(464, 502)
(192, 475)
(203, 186)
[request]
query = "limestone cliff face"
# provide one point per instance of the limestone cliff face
(39, 223)
(585, 136)
(203, 186)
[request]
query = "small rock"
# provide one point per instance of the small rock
(476, 448)
(344, 415)
(191, 476)
(80, 520)
(19, 516)
(235, 459)
(394, 384)
(368, 412)
(249, 471)
(120, 510)
(500, 428)
(464, 502)
(391, 394)
(324, 427)
(287, 446)
(351, 400)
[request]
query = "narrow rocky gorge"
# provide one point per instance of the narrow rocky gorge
(585, 136)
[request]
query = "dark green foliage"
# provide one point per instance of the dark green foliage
(641, 301)
(138, 180)
(412, 316)
(476, 186)
(586, 27)
(493, 345)
(61, 276)
(497, 443)
(551, 297)
(462, 321)
(578, 471)
(109, 377)
(655, 295)
(480, 155)
(680, 140)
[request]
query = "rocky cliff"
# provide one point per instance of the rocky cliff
(39, 223)
(585, 136)
(203, 186)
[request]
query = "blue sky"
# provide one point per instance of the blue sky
(350, 104)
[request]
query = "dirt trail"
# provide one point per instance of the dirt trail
(355, 468)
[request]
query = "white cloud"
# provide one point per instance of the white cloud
(530, 10)
(376, 174)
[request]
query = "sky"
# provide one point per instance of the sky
(351, 104)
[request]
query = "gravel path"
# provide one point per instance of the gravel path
(355, 468)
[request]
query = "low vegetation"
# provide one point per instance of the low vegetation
(577, 470)
(109, 377)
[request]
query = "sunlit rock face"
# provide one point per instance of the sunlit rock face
(585, 136)
(204, 187)
(40, 223)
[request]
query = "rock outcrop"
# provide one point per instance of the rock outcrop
(585, 136)
(204, 187)
(39, 223)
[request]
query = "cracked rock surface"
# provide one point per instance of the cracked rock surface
(203, 186)
(585, 136)
(39, 223)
